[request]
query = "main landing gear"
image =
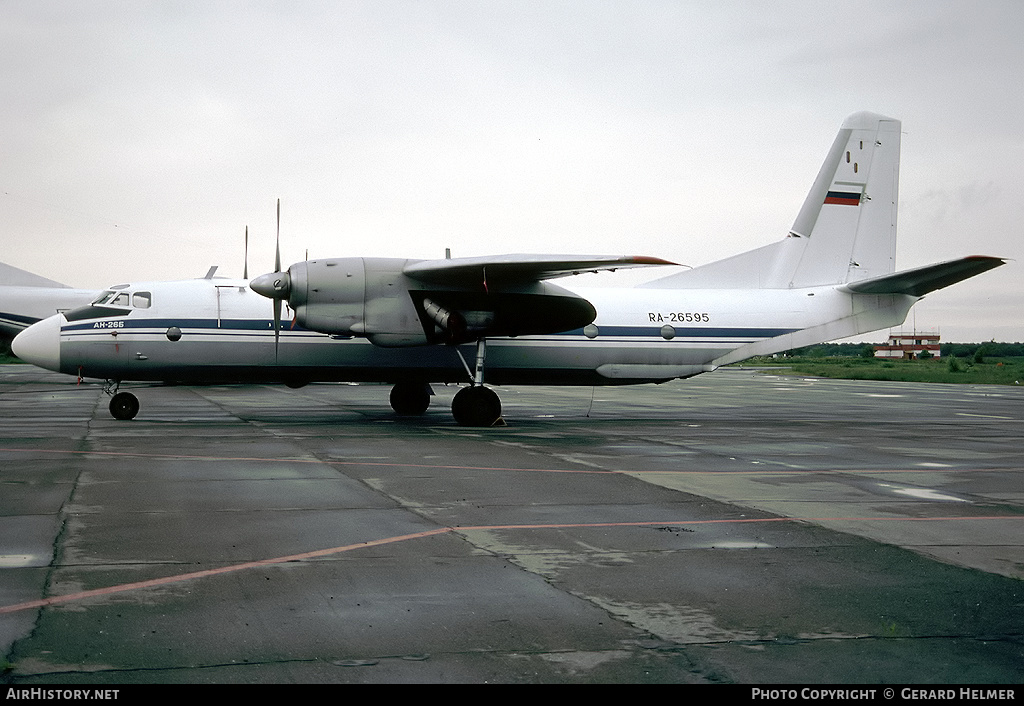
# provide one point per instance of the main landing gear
(473, 406)
(476, 406)
(409, 399)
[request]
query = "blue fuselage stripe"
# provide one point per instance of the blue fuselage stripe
(266, 325)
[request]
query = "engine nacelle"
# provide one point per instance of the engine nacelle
(329, 295)
(372, 297)
(357, 296)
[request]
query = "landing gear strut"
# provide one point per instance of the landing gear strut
(476, 406)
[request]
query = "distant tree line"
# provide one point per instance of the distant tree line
(975, 350)
(867, 350)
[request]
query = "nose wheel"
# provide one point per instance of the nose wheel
(124, 405)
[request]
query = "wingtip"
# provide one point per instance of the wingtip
(647, 260)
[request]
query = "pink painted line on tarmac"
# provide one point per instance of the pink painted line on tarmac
(121, 588)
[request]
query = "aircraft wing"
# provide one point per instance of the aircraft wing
(922, 280)
(518, 268)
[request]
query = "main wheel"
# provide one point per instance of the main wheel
(124, 405)
(410, 398)
(476, 406)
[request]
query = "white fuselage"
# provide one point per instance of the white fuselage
(212, 330)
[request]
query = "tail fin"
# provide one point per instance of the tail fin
(14, 277)
(845, 231)
(848, 221)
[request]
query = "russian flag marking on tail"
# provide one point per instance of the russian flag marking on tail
(842, 198)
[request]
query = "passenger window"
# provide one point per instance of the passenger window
(141, 300)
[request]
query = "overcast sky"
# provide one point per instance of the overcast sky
(138, 139)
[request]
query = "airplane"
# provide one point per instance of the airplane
(26, 298)
(499, 320)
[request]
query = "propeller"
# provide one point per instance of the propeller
(245, 267)
(276, 285)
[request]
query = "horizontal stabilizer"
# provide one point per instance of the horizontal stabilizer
(518, 268)
(922, 280)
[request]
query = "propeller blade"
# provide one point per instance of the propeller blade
(277, 255)
(276, 285)
(245, 267)
(277, 326)
(285, 281)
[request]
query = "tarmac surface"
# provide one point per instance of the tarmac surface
(738, 527)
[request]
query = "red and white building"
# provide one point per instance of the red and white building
(907, 346)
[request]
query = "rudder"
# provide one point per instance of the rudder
(848, 221)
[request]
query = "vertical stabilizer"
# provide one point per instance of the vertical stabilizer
(849, 217)
(14, 277)
(845, 230)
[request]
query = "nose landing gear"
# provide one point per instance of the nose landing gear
(124, 406)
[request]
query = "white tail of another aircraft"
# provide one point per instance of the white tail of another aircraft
(845, 231)
(26, 298)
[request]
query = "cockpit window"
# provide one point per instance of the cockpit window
(139, 300)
